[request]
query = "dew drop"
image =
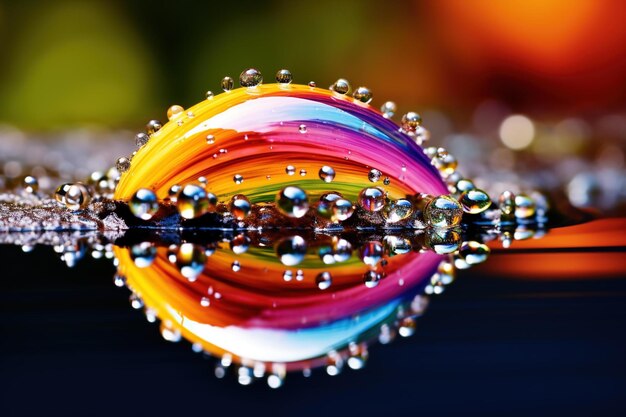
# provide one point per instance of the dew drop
(475, 201)
(135, 301)
(250, 78)
(288, 276)
(77, 197)
(30, 184)
(193, 201)
(303, 172)
(143, 254)
(444, 162)
(398, 210)
(236, 266)
(524, 206)
(312, 84)
(341, 210)
(284, 77)
(327, 174)
(290, 170)
(153, 126)
(371, 279)
(372, 199)
(388, 109)
(507, 203)
(143, 204)
(122, 164)
(190, 260)
(411, 121)
(227, 84)
(210, 139)
(371, 253)
(443, 211)
(174, 111)
(363, 94)
(324, 280)
(474, 253)
(240, 244)
(205, 302)
(238, 179)
(302, 128)
(141, 139)
(324, 206)
(464, 185)
(386, 181)
(374, 175)
(209, 95)
(292, 201)
(341, 86)
(240, 206)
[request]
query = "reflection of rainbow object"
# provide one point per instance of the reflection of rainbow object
(257, 133)
(260, 317)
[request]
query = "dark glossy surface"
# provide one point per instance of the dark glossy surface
(488, 346)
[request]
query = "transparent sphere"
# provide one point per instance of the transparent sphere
(174, 111)
(327, 174)
(153, 126)
(411, 121)
(398, 210)
(143, 204)
(250, 78)
(341, 86)
(292, 201)
(524, 206)
(240, 206)
(227, 84)
(443, 211)
(363, 94)
(291, 250)
(284, 76)
(193, 201)
(341, 209)
(190, 260)
(475, 201)
(372, 199)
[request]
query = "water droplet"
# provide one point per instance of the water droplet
(324, 280)
(341, 86)
(371, 253)
(153, 126)
(464, 185)
(119, 280)
(250, 78)
(443, 211)
(170, 334)
(341, 209)
(292, 201)
(395, 245)
(324, 206)
(209, 95)
(193, 201)
(327, 174)
(77, 197)
(374, 175)
(203, 181)
(238, 179)
(303, 172)
(475, 201)
(143, 254)
(443, 241)
(371, 279)
(122, 164)
(524, 206)
(388, 109)
(507, 204)
(444, 162)
(363, 94)
(174, 111)
(299, 275)
(172, 193)
(473, 252)
(143, 204)
(410, 122)
(244, 375)
(284, 77)
(398, 210)
(236, 266)
(386, 181)
(407, 327)
(290, 170)
(135, 301)
(291, 250)
(141, 139)
(227, 84)
(372, 199)
(210, 139)
(421, 135)
(275, 381)
(61, 192)
(302, 128)
(240, 206)
(30, 184)
(312, 84)
(190, 260)
(205, 302)
(240, 244)
(288, 276)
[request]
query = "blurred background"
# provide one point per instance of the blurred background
(536, 86)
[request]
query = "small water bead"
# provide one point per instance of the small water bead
(193, 201)
(324, 207)
(236, 266)
(464, 185)
(303, 172)
(524, 206)
(474, 253)
(312, 84)
(290, 169)
(374, 175)
(341, 86)
(205, 301)
(169, 334)
(371, 253)
(143, 254)
(210, 139)
(388, 109)
(174, 111)
(250, 78)
(119, 280)
(302, 128)
(292, 201)
(275, 381)
(398, 210)
(122, 164)
(324, 280)
(173, 191)
(203, 181)
(240, 244)
(444, 162)
(430, 152)
(443, 211)
(371, 279)
(291, 250)
(386, 181)
(284, 77)
(153, 126)
(299, 275)
(141, 139)
(507, 204)
(410, 121)
(135, 301)
(443, 241)
(61, 192)
(77, 197)
(407, 327)
(421, 135)
(227, 84)
(238, 179)
(143, 204)
(327, 174)
(240, 206)
(30, 184)
(372, 199)
(209, 95)
(341, 210)
(363, 94)
(475, 201)
(395, 245)
(190, 260)
(288, 276)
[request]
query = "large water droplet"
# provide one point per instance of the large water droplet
(363, 94)
(443, 211)
(77, 197)
(341, 210)
(174, 111)
(524, 206)
(284, 77)
(475, 201)
(143, 254)
(371, 279)
(143, 204)
(190, 260)
(193, 201)
(141, 139)
(372, 199)
(341, 86)
(240, 206)
(291, 250)
(388, 109)
(324, 280)
(122, 164)
(398, 210)
(292, 201)
(371, 253)
(250, 78)
(227, 84)
(473, 252)
(410, 122)
(290, 169)
(374, 175)
(153, 126)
